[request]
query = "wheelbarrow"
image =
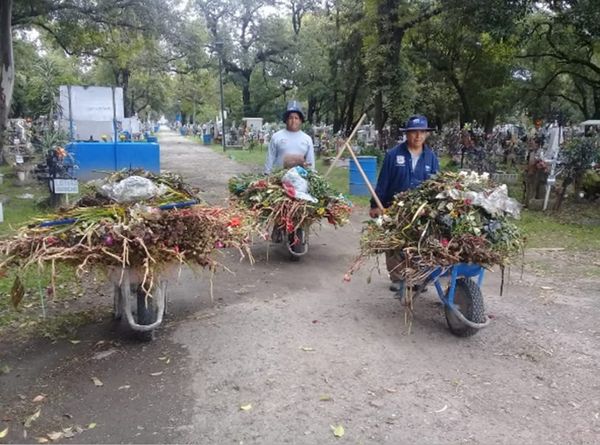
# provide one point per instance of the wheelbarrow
(462, 298)
(296, 241)
(143, 309)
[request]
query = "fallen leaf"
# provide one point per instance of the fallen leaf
(55, 435)
(162, 358)
(546, 287)
(31, 418)
(28, 305)
(39, 398)
(246, 407)
(338, 431)
(5, 369)
(68, 432)
(441, 410)
(91, 426)
(75, 341)
(168, 361)
(124, 387)
(97, 381)
(42, 440)
(307, 349)
(325, 398)
(3, 433)
(156, 374)
(17, 292)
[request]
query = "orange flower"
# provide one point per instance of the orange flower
(235, 222)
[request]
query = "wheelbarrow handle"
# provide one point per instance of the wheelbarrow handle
(178, 205)
(174, 205)
(58, 222)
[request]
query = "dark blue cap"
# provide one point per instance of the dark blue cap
(415, 123)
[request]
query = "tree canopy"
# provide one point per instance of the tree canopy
(457, 60)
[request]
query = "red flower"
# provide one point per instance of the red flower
(289, 189)
(468, 202)
(262, 184)
(176, 248)
(51, 240)
(234, 222)
(444, 242)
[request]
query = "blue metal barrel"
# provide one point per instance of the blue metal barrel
(357, 184)
(207, 139)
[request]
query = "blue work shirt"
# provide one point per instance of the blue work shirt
(397, 174)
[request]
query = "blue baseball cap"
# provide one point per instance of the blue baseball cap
(417, 122)
(293, 106)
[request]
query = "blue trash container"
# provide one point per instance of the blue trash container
(356, 182)
(207, 139)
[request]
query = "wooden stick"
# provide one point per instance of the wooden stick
(362, 118)
(367, 182)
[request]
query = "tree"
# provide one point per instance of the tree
(478, 66)
(7, 68)
(563, 55)
(250, 38)
(389, 21)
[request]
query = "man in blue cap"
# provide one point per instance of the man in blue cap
(291, 146)
(404, 167)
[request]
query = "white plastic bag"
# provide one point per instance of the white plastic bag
(293, 179)
(133, 188)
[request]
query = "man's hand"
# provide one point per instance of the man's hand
(375, 212)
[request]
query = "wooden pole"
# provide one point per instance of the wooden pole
(367, 182)
(362, 118)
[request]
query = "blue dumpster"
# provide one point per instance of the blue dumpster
(356, 182)
(207, 139)
(151, 139)
(97, 159)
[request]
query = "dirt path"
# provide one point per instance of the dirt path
(308, 351)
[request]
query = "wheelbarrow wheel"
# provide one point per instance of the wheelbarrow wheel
(147, 313)
(469, 301)
(297, 244)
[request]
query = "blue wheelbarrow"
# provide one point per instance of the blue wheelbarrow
(463, 301)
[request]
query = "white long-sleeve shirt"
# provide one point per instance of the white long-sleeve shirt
(284, 143)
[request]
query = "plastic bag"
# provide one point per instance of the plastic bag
(133, 188)
(496, 202)
(296, 186)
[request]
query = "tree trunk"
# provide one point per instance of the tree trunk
(490, 120)
(465, 115)
(596, 104)
(312, 109)
(351, 102)
(7, 69)
(246, 98)
(128, 105)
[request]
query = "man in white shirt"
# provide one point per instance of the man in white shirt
(291, 146)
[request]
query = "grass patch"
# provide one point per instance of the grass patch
(36, 301)
(576, 227)
(18, 210)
